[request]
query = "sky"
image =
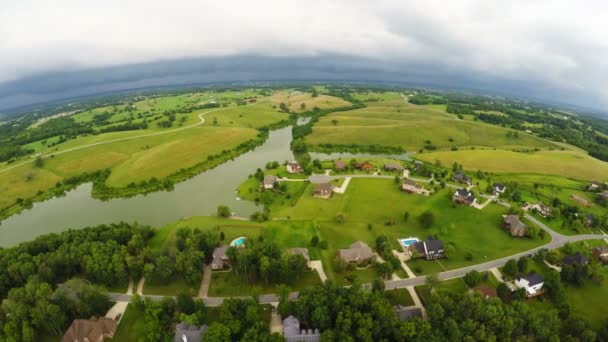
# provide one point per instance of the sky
(551, 48)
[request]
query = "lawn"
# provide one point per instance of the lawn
(453, 286)
(412, 127)
(399, 296)
(274, 199)
(226, 284)
(131, 327)
(174, 287)
(570, 164)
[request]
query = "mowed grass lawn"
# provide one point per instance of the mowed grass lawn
(572, 164)
(410, 126)
(131, 327)
(377, 201)
(226, 284)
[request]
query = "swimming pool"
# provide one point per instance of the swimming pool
(405, 243)
(238, 242)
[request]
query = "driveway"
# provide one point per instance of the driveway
(204, 289)
(317, 265)
(118, 309)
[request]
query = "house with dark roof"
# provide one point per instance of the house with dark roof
(498, 188)
(603, 194)
(358, 252)
(594, 186)
(299, 251)
(589, 220)
(293, 332)
(366, 166)
(185, 332)
(600, 253)
(269, 181)
(220, 259)
(323, 190)
(576, 259)
(339, 165)
(461, 178)
(464, 196)
(513, 224)
(393, 167)
(412, 187)
(406, 313)
(294, 167)
(90, 330)
(531, 283)
(430, 249)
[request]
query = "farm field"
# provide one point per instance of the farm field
(570, 164)
(412, 127)
(295, 100)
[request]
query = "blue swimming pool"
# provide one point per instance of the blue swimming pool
(407, 242)
(238, 242)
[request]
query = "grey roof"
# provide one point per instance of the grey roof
(359, 250)
(299, 251)
(498, 186)
(432, 245)
(185, 332)
(516, 227)
(291, 326)
(604, 194)
(219, 254)
(411, 183)
(393, 166)
(533, 279)
(461, 177)
(324, 188)
(465, 194)
(405, 313)
(577, 258)
(270, 179)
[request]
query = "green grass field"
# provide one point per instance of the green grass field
(295, 100)
(225, 284)
(176, 286)
(409, 126)
(131, 327)
(570, 164)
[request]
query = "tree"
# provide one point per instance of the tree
(406, 216)
(340, 218)
(511, 268)
(314, 241)
(218, 332)
(472, 278)
(38, 162)
(503, 291)
(385, 270)
(426, 219)
(334, 122)
(432, 281)
(522, 264)
(223, 211)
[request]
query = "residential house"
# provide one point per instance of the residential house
(594, 186)
(464, 196)
(220, 259)
(393, 167)
(576, 259)
(542, 209)
(293, 333)
(430, 249)
(323, 190)
(603, 194)
(294, 167)
(270, 181)
(417, 165)
(90, 330)
(185, 332)
(601, 253)
(498, 188)
(513, 224)
(299, 251)
(581, 200)
(406, 313)
(365, 166)
(531, 283)
(339, 165)
(358, 252)
(412, 187)
(461, 178)
(589, 220)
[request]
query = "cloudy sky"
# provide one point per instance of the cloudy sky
(557, 47)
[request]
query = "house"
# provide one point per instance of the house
(486, 292)
(542, 209)
(185, 332)
(603, 194)
(365, 166)
(406, 313)
(576, 259)
(464, 196)
(358, 252)
(581, 200)
(589, 220)
(417, 165)
(323, 190)
(600, 253)
(513, 224)
(532, 283)
(299, 251)
(412, 187)
(594, 186)
(461, 178)
(431, 249)
(393, 167)
(220, 259)
(339, 165)
(90, 330)
(293, 333)
(294, 167)
(498, 188)
(270, 181)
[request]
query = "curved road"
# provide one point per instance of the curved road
(200, 116)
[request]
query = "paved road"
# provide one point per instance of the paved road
(200, 117)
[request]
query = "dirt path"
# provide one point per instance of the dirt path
(130, 288)
(204, 289)
(140, 286)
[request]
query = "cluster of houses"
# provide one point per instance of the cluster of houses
(270, 181)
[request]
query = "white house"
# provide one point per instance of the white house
(532, 283)
(294, 167)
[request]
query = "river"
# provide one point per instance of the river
(197, 196)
